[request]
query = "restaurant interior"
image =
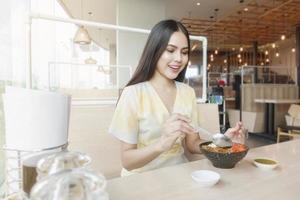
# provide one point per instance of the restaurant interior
(75, 57)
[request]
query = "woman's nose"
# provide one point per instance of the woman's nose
(178, 56)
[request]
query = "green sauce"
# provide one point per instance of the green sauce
(265, 161)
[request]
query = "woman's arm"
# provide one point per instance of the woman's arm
(175, 127)
(133, 158)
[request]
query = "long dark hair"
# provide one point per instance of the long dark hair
(156, 44)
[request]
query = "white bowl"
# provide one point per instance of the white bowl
(205, 178)
(265, 164)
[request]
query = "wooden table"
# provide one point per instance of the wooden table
(245, 181)
(269, 113)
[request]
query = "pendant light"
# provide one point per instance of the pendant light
(90, 60)
(82, 36)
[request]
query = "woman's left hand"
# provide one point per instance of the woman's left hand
(237, 134)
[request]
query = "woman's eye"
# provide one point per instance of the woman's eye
(170, 50)
(185, 52)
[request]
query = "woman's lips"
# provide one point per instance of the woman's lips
(175, 68)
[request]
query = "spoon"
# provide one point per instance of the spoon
(221, 140)
(218, 139)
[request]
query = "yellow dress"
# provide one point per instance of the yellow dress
(140, 114)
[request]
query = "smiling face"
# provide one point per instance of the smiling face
(175, 57)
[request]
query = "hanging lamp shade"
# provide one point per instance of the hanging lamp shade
(82, 36)
(90, 61)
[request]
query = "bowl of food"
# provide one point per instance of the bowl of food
(265, 164)
(224, 157)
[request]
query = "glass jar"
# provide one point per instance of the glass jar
(71, 184)
(61, 161)
(17, 196)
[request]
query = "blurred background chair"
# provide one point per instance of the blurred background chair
(292, 129)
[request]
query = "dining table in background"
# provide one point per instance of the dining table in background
(270, 129)
(244, 181)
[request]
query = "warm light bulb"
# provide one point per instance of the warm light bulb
(261, 63)
(241, 49)
(211, 55)
(225, 61)
(246, 64)
(233, 49)
(208, 65)
(293, 50)
(282, 37)
(239, 55)
(240, 60)
(267, 60)
(212, 59)
(189, 63)
(277, 54)
(216, 51)
(246, 9)
(273, 45)
(266, 52)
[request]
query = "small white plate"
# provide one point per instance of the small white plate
(265, 164)
(205, 178)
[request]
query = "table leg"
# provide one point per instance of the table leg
(267, 118)
(272, 118)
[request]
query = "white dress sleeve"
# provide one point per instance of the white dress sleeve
(124, 124)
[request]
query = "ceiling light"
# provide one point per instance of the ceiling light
(277, 54)
(266, 52)
(198, 4)
(273, 45)
(246, 9)
(82, 36)
(212, 59)
(225, 61)
(240, 60)
(194, 47)
(267, 60)
(239, 55)
(282, 37)
(241, 49)
(90, 61)
(262, 63)
(293, 50)
(216, 51)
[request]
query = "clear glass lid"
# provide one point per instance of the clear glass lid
(71, 184)
(61, 161)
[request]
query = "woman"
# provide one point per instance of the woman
(156, 112)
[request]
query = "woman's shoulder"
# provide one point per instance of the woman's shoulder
(184, 86)
(137, 86)
(135, 89)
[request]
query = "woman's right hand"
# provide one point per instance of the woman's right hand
(177, 126)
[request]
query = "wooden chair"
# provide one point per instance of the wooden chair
(292, 129)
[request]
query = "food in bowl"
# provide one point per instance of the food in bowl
(265, 164)
(236, 147)
(224, 157)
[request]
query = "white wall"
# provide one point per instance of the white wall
(140, 14)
